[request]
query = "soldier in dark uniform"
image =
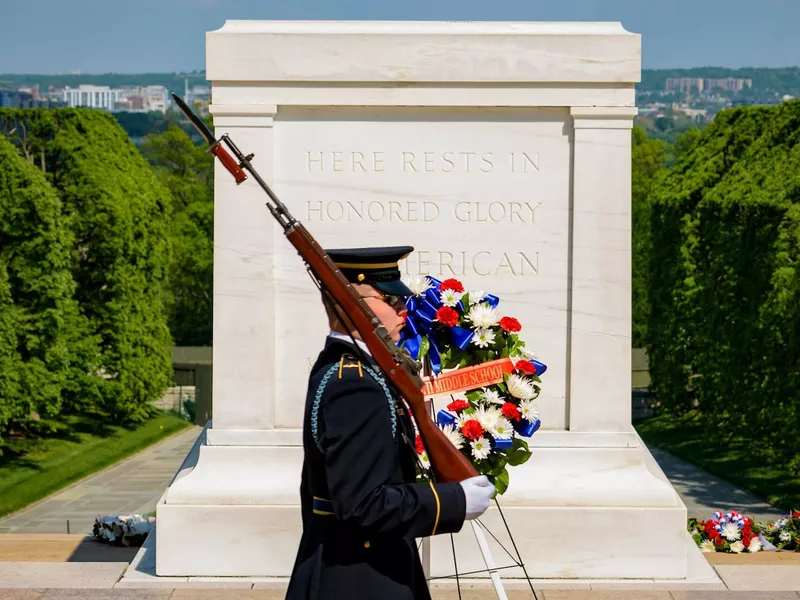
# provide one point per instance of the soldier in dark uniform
(361, 506)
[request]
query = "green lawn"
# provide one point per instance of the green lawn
(740, 461)
(80, 448)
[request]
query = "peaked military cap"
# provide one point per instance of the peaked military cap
(374, 266)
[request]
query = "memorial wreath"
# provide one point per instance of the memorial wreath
(735, 533)
(473, 354)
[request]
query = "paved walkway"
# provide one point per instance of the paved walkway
(132, 486)
(703, 493)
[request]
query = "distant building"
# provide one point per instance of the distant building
(26, 98)
(131, 98)
(91, 96)
(733, 84)
(156, 97)
(199, 93)
(684, 84)
(131, 103)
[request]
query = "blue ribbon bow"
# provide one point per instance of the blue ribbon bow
(444, 418)
(540, 367)
(526, 428)
(502, 444)
(420, 324)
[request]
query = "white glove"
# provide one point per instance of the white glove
(478, 492)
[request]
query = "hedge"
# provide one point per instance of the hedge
(724, 326)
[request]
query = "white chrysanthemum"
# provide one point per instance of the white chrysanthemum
(520, 387)
(418, 284)
(487, 416)
(481, 448)
(731, 532)
(476, 296)
(707, 546)
(755, 545)
(483, 338)
(526, 354)
(482, 316)
(502, 430)
(780, 523)
(454, 435)
(737, 547)
(529, 410)
(785, 536)
(492, 397)
(426, 462)
(450, 297)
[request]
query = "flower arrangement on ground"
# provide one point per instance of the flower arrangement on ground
(123, 530)
(449, 329)
(730, 532)
(784, 533)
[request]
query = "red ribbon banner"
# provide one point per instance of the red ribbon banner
(468, 378)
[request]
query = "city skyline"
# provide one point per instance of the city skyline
(157, 36)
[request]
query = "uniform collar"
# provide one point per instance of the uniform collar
(346, 338)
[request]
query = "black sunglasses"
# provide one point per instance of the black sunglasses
(390, 299)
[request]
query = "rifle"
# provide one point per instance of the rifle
(447, 461)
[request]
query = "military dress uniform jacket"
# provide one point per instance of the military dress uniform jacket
(361, 507)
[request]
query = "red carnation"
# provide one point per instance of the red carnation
(796, 514)
(451, 284)
(510, 324)
(457, 405)
(447, 315)
(472, 430)
(420, 447)
(525, 367)
(511, 411)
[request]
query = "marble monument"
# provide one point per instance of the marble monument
(502, 153)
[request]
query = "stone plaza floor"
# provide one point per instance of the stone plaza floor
(38, 560)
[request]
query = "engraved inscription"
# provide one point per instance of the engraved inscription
(352, 162)
(420, 161)
(423, 211)
(393, 210)
(447, 162)
(482, 263)
(442, 215)
(480, 212)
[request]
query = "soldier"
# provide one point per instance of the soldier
(361, 506)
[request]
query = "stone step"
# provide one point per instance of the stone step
(56, 547)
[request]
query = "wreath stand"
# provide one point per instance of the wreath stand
(479, 530)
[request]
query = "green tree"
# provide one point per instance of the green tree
(12, 404)
(187, 171)
(118, 213)
(647, 164)
(49, 359)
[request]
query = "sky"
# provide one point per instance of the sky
(135, 36)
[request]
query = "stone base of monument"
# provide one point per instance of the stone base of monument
(585, 508)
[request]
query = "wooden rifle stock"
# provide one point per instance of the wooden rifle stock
(447, 461)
